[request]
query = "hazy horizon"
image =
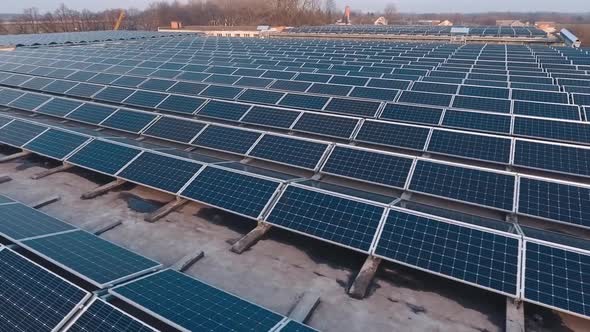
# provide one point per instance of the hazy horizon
(406, 6)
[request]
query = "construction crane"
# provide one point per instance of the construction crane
(119, 20)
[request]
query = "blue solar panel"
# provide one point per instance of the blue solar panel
(543, 96)
(556, 111)
(290, 151)
(224, 110)
(477, 121)
(17, 133)
(425, 98)
(159, 171)
(304, 101)
(56, 143)
(203, 308)
(231, 191)
(145, 99)
(85, 90)
(29, 101)
(32, 298)
(291, 85)
(391, 134)
(181, 104)
(330, 89)
(188, 88)
(221, 79)
(129, 81)
(488, 148)
(552, 157)
(556, 130)
(353, 107)
(228, 139)
(326, 125)
(104, 78)
(218, 91)
(175, 129)
(555, 201)
(271, 117)
(18, 222)
(335, 219)
(411, 113)
(370, 166)
(374, 93)
(37, 83)
(254, 82)
(464, 184)
(480, 91)
(102, 316)
(260, 96)
(482, 258)
(6, 96)
(157, 84)
(128, 120)
(103, 157)
(482, 104)
(435, 87)
(91, 113)
(113, 94)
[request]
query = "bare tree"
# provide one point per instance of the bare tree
(390, 12)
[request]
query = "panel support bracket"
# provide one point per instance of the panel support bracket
(15, 156)
(359, 287)
(44, 202)
(251, 238)
(107, 227)
(165, 210)
(187, 261)
(51, 171)
(514, 316)
(102, 189)
(5, 178)
(304, 306)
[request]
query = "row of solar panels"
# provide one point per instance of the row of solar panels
(473, 250)
(561, 158)
(36, 299)
(79, 37)
(420, 30)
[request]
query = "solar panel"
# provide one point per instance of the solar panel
(4, 200)
(474, 186)
(113, 94)
(482, 104)
(425, 98)
(335, 219)
(85, 90)
(82, 76)
(145, 99)
(91, 113)
(555, 201)
(181, 104)
(218, 91)
(254, 82)
(552, 157)
(261, 96)
(391, 134)
(326, 125)
(6, 96)
(58, 107)
(543, 96)
(99, 315)
(435, 87)
(18, 133)
(129, 81)
(271, 117)
(556, 111)
(290, 151)
(59, 86)
(477, 121)
(231, 191)
(127, 120)
(96, 260)
(353, 107)
(330, 89)
(104, 78)
(20, 222)
(223, 110)
(291, 85)
(29, 101)
(56, 143)
(472, 255)
(373, 93)
(370, 166)
(228, 139)
(204, 308)
(481, 147)
(16, 80)
(159, 171)
(187, 88)
(103, 156)
(175, 129)
(304, 101)
(557, 130)
(480, 91)
(36, 83)
(411, 113)
(32, 298)
(388, 84)
(157, 84)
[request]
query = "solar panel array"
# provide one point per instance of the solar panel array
(465, 110)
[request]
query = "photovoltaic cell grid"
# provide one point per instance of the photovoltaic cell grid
(18, 221)
(129, 120)
(326, 125)
(102, 316)
(483, 258)
(552, 157)
(162, 172)
(56, 143)
(103, 157)
(291, 151)
(477, 121)
(95, 259)
(231, 191)
(489, 148)
(193, 305)
(555, 201)
(32, 298)
(174, 129)
(411, 113)
(223, 110)
(368, 166)
(59, 107)
(17, 133)
(336, 219)
(271, 117)
(229, 139)
(495, 190)
(391, 134)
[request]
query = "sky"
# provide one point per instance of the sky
(417, 6)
